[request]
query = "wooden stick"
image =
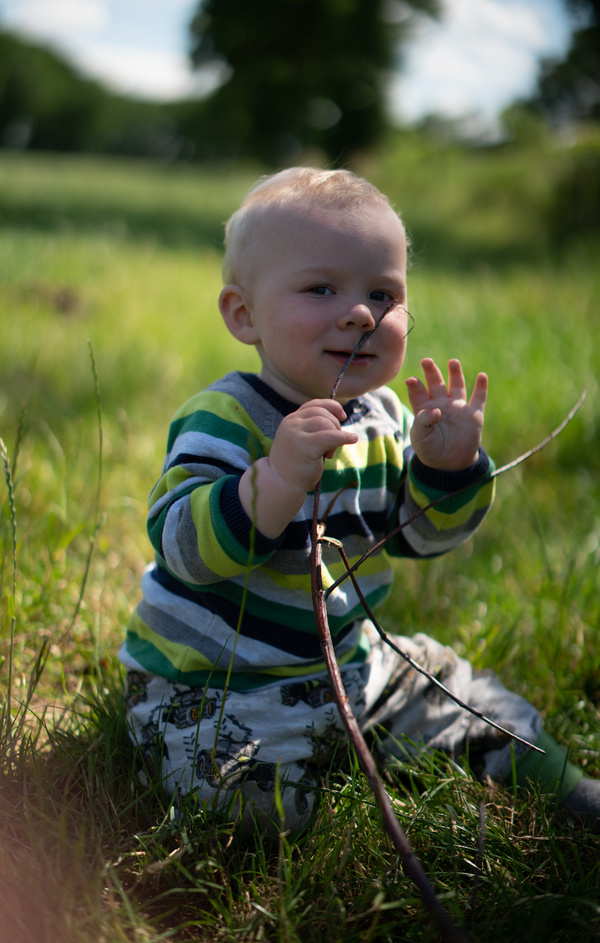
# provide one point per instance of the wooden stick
(411, 864)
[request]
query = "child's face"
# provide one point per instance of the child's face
(322, 281)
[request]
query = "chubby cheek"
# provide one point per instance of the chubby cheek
(286, 345)
(394, 345)
(390, 367)
(300, 345)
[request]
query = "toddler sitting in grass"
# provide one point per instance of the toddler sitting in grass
(228, 696)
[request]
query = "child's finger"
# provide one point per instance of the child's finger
(480, 390)
(331, 405)
(436, 385)
(457, 388)
(426, 419)
(417, 394)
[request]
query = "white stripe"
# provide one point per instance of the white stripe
(208, 446)
(423, 546)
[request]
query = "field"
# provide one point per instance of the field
(108, 321)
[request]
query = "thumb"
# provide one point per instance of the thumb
(427, 418)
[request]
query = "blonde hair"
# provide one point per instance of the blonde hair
(325, 189)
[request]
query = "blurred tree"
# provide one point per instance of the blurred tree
(569, 93)
(302, 72)
(43, 102)
(46, 105)
(569, 89)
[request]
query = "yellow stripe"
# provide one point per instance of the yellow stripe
(208, 545)
(175, 477)
(443, 521)
(361, 453)
(372, 566)
(287, 672)
(170, 480)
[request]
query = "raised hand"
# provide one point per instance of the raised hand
(446, 433)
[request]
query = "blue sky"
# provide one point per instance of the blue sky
(481, 56)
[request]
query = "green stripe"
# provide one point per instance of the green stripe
(208, 423)
(241, 555)
(370, 476)
(283, 614)
(454, 502)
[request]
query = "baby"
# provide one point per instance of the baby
(228, 696)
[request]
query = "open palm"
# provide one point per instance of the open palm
(446, 433)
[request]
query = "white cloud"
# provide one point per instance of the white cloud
(51, 19)
(155, 74)
(479, 57)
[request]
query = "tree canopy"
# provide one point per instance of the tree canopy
(302, 72)
(569, 89)
(46, 104)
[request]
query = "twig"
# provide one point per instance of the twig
(444, 497)
(414, 664)
(411, 864)
(362, 341)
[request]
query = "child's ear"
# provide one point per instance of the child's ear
(234, 305)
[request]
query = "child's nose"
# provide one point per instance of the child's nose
(359, 315)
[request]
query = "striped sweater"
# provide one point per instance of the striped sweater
(221, 596)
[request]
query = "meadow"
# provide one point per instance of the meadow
(109, 275)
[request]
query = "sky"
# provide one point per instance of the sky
(481, 56)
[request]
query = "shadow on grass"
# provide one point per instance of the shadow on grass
(174, 228)
(89, 853)
(436, 249)
(194, 225)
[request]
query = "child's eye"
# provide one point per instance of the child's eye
(383, 296)
(320, 290)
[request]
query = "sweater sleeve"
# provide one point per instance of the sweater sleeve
(196, 523)
(430, 531)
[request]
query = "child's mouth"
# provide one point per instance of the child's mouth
(343, 356)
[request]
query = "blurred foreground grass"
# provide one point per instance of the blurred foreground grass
(127, 256)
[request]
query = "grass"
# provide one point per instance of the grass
(126, 255)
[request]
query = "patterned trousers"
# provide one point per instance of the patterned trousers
(235, 748)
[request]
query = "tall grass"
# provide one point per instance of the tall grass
(127, 256)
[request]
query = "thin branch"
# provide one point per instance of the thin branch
(444, 497)
(362, 341)
(365, 338)
(411, 864)
(544, 442)
(414, 664)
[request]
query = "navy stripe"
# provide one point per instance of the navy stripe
(187, 459)
(355, 409)
(297, 535)
(300, 644)
(240, 524)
